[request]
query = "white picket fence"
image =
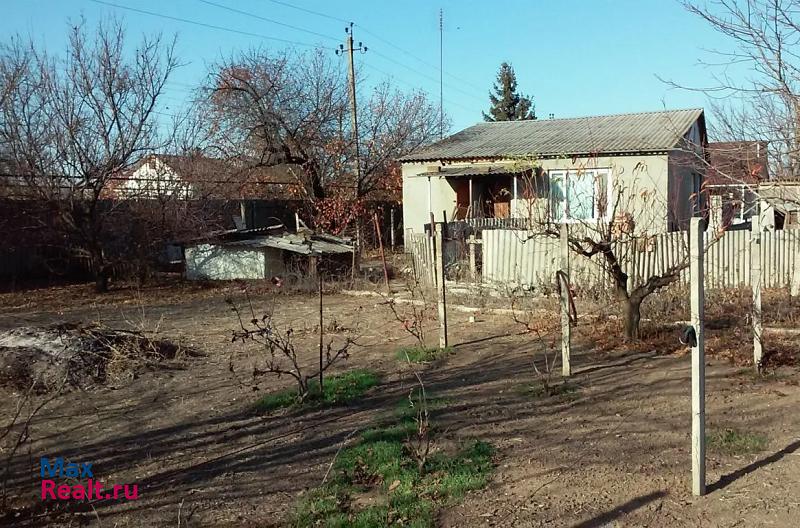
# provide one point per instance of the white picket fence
(522, 258)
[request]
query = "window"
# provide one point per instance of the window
(578, 195)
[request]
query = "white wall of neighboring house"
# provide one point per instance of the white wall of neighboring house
(154, 179)
(423, 195)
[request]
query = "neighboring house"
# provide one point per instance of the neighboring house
(648, 163)
(193, 177)
(736, 169)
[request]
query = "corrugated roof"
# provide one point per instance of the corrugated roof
(296, 243)
(620, 133)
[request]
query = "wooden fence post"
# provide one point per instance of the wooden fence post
(697, 302)
(756, 282)
(440, 287)
(566, 329)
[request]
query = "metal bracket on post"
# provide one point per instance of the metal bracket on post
(697, 302)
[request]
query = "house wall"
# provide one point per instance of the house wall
(423, 194)
(154, 179)
(642, 180)
(214, 262)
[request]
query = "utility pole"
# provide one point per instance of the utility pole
(354, 115)
(441, 74)
(349, 49)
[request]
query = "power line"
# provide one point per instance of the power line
(309, 11)
(417, 58)
(403, 81)
(246, 13)
(210, 26)
(416, 70)
(385, 41)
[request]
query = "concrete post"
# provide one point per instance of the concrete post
(756, 283)
(473, 260)
(795, 254)
(566, 329)
(697, 302)
(440, 287)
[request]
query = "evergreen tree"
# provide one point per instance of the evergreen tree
(507, 103)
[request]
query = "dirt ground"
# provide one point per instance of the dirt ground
(616, 452)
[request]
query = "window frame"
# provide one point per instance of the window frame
(564, 174)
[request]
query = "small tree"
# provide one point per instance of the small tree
(507, 103)
(605, 224)
(281, 356)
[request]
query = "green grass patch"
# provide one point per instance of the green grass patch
(339, 388)
(733, 442)
(407, 409)
(377, 482)
(417, 354)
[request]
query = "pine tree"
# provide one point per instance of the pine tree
(507, 103)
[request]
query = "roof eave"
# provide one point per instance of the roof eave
(643, 152)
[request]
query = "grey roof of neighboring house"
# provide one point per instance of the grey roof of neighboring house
(612, 134)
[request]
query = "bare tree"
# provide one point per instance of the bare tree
(71, 125)
(756, 90)
(606, 224)
(292, 108)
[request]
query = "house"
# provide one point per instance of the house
(736, 169)
(198, 176)
(648, 163)
(265, 253)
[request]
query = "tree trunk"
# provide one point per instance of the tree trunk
(632, 310)
(101, 281)
(101, 271)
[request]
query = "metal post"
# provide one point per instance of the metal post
(380, 245)
(440, 287)
(391, 230)
(566, 329)
(756, 282)
(321, 328)
(795, 254)
(697, 302)
(514, 202)
(471, 200)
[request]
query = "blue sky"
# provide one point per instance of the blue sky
(575, 57)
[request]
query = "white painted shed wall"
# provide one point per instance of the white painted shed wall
(213, 262)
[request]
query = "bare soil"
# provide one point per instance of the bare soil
(613, 453)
